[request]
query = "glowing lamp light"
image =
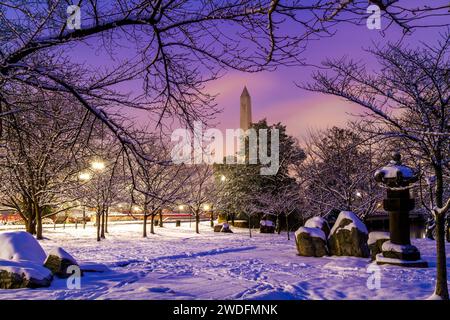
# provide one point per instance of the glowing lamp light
(98, 165)
(223, 178)
(136, 209)
(358, 194)
(84, 176)
(206, 207)
(180, 207)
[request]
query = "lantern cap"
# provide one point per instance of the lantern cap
(395, 174)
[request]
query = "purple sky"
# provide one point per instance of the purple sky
(275, 95)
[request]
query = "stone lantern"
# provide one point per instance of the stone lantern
(398, 180)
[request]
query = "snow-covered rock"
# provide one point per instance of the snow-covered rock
(311, 242)
(218, 227)
(267, 226)
(21, 246)
(23, 274)
(318, 222)
(401, 252)
(58, 261)
(226, 228)
(375, 242)
(349, 236)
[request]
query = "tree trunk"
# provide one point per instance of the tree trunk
(152, 223)
(160, 218)
(287, 227)
(212, 219)
(249, 226)
(38, 223)
(106, 220)
(144, 233)
(84, 217)
(98, 224)
(278, 224)
(441, 263)
(197, 221)
(102, 230)
(31, 225)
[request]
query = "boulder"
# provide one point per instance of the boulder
(21, 246)
(58, 261)
(349, 236)
(23, 274)
(318, 222)
(400, 252)
(375, 242)
(266, 226)
(240, 224)
(311, 242)
(226, 228)
(218, 227)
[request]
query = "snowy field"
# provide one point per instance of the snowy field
(176, 263)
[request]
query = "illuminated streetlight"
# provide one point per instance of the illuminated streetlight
(84, 176)
(180, 207)
(223, 178)
(358, 194)
(98, 165)
(206, 207)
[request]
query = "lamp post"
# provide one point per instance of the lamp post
(398, 180)
(84, 176)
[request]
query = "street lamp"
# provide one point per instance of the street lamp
(84, 176)
(181, 207)
(98, 165)
(223, 178)
(206, 207)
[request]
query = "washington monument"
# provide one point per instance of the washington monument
(246, 110)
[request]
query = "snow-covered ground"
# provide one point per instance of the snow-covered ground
(176, 263)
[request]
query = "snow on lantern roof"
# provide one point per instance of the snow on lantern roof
(395, 174)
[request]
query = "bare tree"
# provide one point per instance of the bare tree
(175, 48)
(158, 185)
(408, 100)
(41, 151)
(200, 191)
(284, 202)
(338, 173)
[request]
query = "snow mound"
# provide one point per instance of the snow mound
(28, 269)
(93, 267)
(315, 222)
(356, 222)
(63, 255)
(267, 223)
(389, 246)
(377, 235)
(313, 232)
(21, 246)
